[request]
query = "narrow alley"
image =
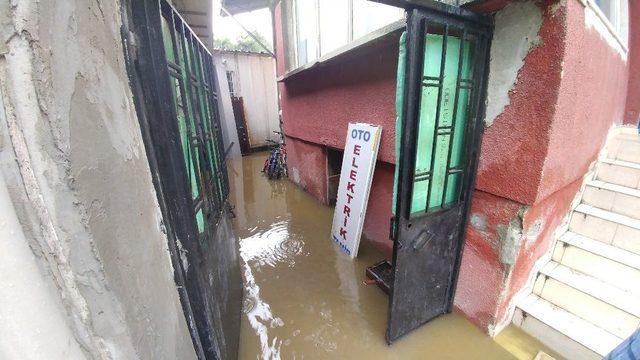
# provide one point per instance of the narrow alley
(306, 299)
(444, 179)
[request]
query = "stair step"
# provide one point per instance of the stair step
(619, 172)
(625, 147)
(605, 292)
(605, 316)
(615, 188)
(631, 136)
(621, 163)
(613, 197)
(588, 335)
(608, 263)
(606, 226)
(609, 216)
(613, 253)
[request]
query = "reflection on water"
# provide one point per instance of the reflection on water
(306, 299)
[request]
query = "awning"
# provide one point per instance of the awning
(241, 6)
(197, 14)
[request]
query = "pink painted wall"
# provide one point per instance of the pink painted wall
(376, 222)
(518, 138)
(591, 99)
(537, 151)
(307, 164)
(318, 104)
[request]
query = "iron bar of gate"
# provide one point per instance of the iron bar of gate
(443, 59)
(411, 102)
(208, 126)
(473, 98)
(454, 116)
(213, 126)
(190, 113)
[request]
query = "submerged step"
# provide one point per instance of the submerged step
(584, 333)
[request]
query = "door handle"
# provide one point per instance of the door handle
(422, 239)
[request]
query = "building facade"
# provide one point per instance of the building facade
(561, 75)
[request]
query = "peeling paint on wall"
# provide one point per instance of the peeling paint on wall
(515, 34)
(510, 236)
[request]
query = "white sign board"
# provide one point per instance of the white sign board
(358, 163)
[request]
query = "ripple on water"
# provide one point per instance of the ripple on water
(271, 246)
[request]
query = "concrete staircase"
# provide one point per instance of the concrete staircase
(586, 299)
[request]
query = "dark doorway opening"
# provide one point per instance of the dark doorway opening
(241, 124)
(334, 165)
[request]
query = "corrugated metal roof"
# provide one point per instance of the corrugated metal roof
(240, 6)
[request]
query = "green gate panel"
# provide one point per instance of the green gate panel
(442, 121)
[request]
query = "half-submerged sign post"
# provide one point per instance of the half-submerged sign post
(358, 163)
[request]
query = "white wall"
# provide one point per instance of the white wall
(227, 121)
(256, 75)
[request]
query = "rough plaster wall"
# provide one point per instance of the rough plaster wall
(516, 32)
(78, 176)
(29, 299)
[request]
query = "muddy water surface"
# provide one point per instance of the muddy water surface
(306, 299)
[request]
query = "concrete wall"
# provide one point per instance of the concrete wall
(74, 164)
(256, 77)
(550, 105)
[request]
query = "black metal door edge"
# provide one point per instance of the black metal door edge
(441, 13)
(476, 132)
(146, 67)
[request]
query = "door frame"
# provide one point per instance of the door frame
(451, 15)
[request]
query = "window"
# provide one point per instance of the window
(369, 16)
(322, 26)
(334, 25)
(617, 12)
(307, 30)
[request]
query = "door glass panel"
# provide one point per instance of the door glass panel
(444, 102)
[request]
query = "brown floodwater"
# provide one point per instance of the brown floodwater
(306, 299)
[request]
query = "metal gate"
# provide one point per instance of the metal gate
(174, 84)
(444, 81)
